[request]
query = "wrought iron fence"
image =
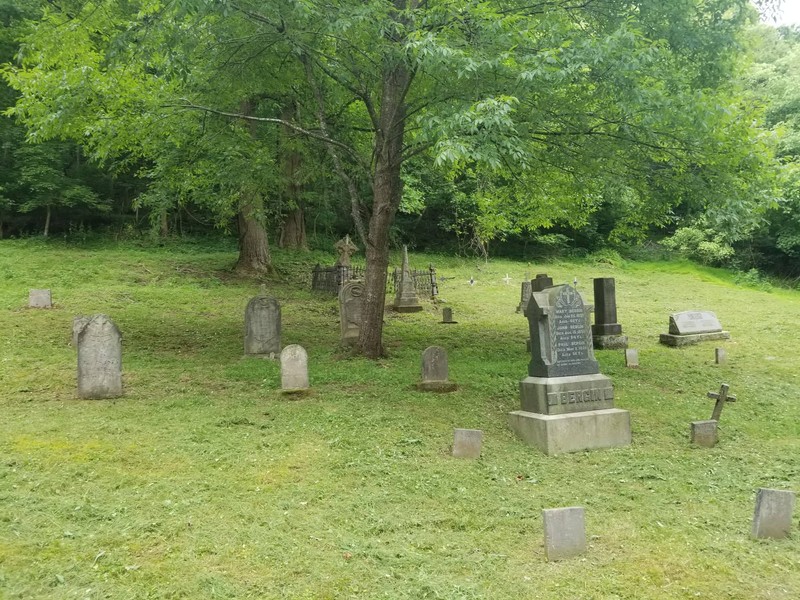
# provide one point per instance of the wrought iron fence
(424, 281)
(331, 279)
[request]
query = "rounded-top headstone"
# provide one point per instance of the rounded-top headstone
(99, 358)
(262, 323)
(294, 368)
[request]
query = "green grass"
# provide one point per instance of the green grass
(204, 481)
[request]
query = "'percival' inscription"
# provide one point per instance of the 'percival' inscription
(570, 340)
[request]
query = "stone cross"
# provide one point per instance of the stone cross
(471, 280)
(507, 279)
(721, 397)
(346, 249)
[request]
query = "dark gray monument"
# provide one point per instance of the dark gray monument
(691, 327)
(262, 326)
(606, 332)
(99, 358)
(524, 296)
(566, 404)
(405, 300)
(541, 282)
(350, 306)
(435, 371)
(294, 368)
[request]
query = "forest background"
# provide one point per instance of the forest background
(506, 128)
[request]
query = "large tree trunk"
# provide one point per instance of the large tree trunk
(387, 192)
(254, 256)
(293, 230)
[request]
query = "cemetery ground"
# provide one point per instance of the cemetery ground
(204, 481)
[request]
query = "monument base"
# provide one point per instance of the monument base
(669, 339)
(437, 386)
(408, 309)
(559, 395)
(610, 342)
(573, 432)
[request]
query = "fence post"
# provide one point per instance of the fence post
(434, 285)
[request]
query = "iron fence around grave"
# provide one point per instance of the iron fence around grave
(331, 279)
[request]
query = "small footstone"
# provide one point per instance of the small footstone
(447, 315)
(773, 514)
(720, 355)
(632, 358)
(704, 433)
(467, 443)
(564, 532)
(40, 299)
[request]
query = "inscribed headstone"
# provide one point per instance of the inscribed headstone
(773, 513)
(564, 532)
(78, 322)
(262, 326)
(435, 371)
(294, 368)
(467, 443)
(691, 327)
(99, 359)
(350, 306)
(40, 299)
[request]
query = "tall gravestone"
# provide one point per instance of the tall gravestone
(262, 326)
(350, 305)
(566, 404)
(606, 332)
(524, 296)
(294, 368)
(406, 299)
(99, 358)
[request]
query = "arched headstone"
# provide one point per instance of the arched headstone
(99, 358)
(294, 368)
(262, 326)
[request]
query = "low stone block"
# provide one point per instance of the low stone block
(704, 433)
(559, 395)
(720, 356)
(773, 514)
(467, 443)
(610, 342)
(40, 299)
(564, 532)
(573, 432)
(632, 358)
(669, 339)
(447, 316)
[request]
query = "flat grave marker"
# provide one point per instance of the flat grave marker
(773, 513)
(467, 443)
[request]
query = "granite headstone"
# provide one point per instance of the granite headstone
(99, 358)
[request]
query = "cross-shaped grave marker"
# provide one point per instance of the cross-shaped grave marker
(721, 397)
(507, 279)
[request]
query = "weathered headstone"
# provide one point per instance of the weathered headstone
(721, 398)
(720, 356)
(350, 305)
(78, 322)
(632, 358)
(566, 404)
(467, 443)
(294, 368)
(435, 371)
(606, 332)
(564, 532)
(704, 433)
(524, 296)
(447, 315)
(40, 299)
(691, 327)
(405, 299)
(262, 326)
(346, 248)
(99, 358)
(541, 282)
(773, 513)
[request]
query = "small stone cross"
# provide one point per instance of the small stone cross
(722, 397)
(507, 279)
(472, 281)
(346, 249)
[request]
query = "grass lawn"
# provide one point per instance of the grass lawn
(204, 481)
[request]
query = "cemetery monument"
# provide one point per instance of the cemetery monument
(262, 326)
(405, 300)
(606, 332)
(99, 358)
(691, 327)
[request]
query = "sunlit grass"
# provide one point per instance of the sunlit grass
(205, 482)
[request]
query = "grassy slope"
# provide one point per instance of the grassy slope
(204, 482)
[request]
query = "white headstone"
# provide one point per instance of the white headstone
(294, 368)
(40, 299)
(564, 532)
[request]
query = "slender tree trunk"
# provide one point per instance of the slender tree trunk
(254, 256)
(163, 218)
(387, 192)
(47, 221)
